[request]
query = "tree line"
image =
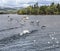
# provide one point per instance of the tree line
(39, 10)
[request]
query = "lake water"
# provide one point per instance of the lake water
(46, 38)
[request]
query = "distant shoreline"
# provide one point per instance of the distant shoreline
(53, 9)
(28, 14)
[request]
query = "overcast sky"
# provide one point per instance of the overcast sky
(25, 3)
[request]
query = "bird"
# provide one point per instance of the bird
(48, 42)
(43, 27)
(37, 22)
(32, 21)
(8, 16)
(24, 32)
(34, 40)
(52, 38)
(25, 17)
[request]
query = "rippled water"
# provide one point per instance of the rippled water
(44, 39)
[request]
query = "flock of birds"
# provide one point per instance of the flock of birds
(24, 20)
(21, 23)
(51, 36)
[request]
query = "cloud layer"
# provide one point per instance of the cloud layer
(25, 3)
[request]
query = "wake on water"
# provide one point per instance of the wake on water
(7, 40)
(15, 37)
(9, 29)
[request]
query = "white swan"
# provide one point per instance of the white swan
(25, 32)
(26, 18)
(37, 21)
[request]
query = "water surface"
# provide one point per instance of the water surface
(46, 39)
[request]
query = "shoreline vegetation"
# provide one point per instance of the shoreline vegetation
(8, 12)
(52, 9)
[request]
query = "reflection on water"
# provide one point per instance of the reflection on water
(31, 33)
